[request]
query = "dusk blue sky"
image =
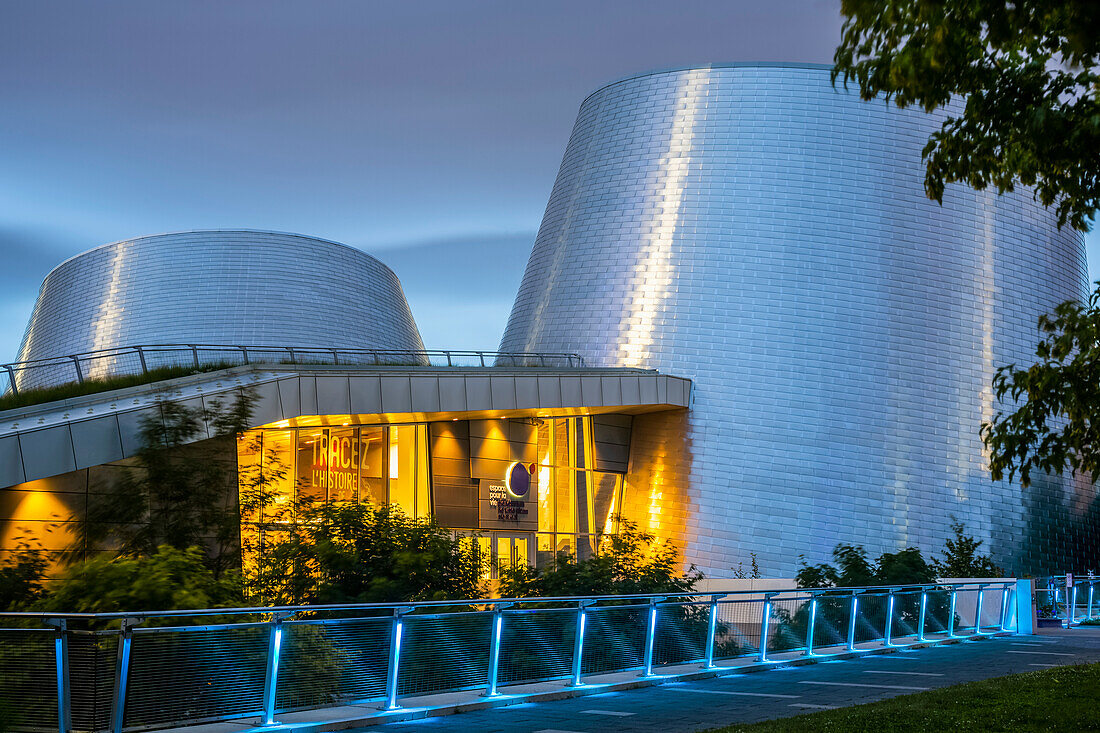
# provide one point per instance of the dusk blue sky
(426, 133)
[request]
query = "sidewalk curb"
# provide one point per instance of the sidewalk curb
(374, 716)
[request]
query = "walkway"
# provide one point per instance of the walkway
(698, 700)
(704, 704)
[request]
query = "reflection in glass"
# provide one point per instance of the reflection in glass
(372, 452)
(312, 468)
(423, 476)
(403, 468)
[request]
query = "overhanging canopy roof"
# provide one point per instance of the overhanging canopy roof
(58, 437)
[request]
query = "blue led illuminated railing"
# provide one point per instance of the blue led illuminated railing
(1070, 599)
(140, 670)
(147, 358)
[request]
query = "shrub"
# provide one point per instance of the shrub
(961, 558)
(354, 553)
(630, 562)
(166, 580)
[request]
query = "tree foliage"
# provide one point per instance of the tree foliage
(961, 558)
(178, 491)
(166, 579)
(1056, 421)
(22, 578)
(1026, 74)
(631, 562)
(853, 569)
(354, 553)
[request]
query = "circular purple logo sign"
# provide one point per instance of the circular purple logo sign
(518, 481)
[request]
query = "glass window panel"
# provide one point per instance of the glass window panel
(423, 476)
(583, 503)
(343, 465)
(278, 475)
(564, 509)
(561, 442)
(312, 464)
(605, 500)
(580, 434)
(250, 474)
(484, 556)
(403, 468)
(372, 453)
(543, 483)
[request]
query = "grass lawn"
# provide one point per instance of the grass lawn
(1062, 698)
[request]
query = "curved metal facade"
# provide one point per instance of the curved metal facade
(223, 287)
(768, 236)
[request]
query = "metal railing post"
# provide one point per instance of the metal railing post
(578, 643)
(271, 679)
(76, 365)
(141, 359)
(650, 636)
(244, 354)
(712, 628)
(11, 378)
(887, 633)
(978, 610)
(951, 613)
(922, 614)
(1071, 606)
(1091, 584)
(195, 354)
(392, 670)
(61, 669)
(852, 621)
(811, 624)
(494, 648)
(1005, 590)
(765, 617)
(122, 674)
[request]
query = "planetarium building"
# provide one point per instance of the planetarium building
(767, 235)
(743, 326)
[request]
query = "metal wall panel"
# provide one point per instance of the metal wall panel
(94, 442)
(767, 235)
(48, 451)
(218, 287)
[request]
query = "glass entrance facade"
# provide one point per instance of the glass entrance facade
(572, 501)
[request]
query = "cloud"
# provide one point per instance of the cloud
(461, 289)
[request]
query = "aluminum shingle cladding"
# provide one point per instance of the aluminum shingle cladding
(766, 235)
(219, 287)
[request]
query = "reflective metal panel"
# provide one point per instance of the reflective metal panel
(244, 287)
(767, 235)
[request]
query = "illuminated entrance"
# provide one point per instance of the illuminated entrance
(528, 486)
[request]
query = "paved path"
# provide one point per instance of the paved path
(694, 706)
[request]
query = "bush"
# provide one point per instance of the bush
(22, 579)
(167, 580)
(354, 553)
(961, 558)
(628, 563)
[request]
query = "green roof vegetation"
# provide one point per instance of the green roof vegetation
(29, 397)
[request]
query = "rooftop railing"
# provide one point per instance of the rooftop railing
(141, 670)
(148, 359)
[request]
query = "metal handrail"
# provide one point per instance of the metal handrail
(389, 628)
(121, 360)
(114, 616)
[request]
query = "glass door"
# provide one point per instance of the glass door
(510, 551)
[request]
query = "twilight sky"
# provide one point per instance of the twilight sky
(426, 133)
